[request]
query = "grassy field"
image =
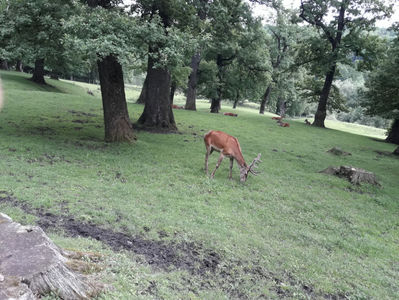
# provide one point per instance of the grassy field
(167, 231)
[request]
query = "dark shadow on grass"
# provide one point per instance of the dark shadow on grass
(26, 84)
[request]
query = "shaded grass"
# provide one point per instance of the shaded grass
(288, 233)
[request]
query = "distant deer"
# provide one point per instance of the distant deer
(307, 122)
(277, 118)
(228, 146)
(177, 106)
(282, 124)
(230, 114)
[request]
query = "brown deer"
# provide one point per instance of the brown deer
(228, 146)
(283, 124)
(230, 114)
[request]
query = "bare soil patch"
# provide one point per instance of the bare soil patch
(206, 266)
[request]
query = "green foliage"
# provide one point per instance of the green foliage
(36, 30)
(235, 62)
(98, 32)
(381, 96)
(311, 87)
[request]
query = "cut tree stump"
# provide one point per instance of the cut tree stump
(354, 175)
(338, 151)
(31, 266)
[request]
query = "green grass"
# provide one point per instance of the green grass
(290, 232)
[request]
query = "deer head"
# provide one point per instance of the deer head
(245, 170)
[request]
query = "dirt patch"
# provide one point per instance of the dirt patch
(82, 113)
(80, 121)
(48, 159)
(43, 130)
(209, 268)
(159, 254)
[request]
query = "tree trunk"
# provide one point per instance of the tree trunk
(265, 100)
(38, 72)
(18, 66)
(172, 92)
(237, 99)
(235, 103)
(33, 266)
(192, 82)
(215, 105)
(3, 65)
(393, 136)
(281, 108)
(54, 76)
(158, 112)
(321, 112)
(143, 94)
(118, 127)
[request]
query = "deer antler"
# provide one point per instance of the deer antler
(254, 165)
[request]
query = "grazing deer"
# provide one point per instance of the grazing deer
(228, 146)
(230, 114)
(277, 118)
(177, 106)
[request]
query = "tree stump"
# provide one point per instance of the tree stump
(31, 266)
(338, 151)
(354, 175)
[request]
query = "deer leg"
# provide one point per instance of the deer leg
(218, 164)
(208, 152)
(231, 167)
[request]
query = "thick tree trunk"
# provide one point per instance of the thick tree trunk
(118, 127)
(393, 136)
(18, 66)
(38, 72)
(192, 82)
(265, 100)
(3, 65)
(172, 92)
(54, 76)
(144, 91)
(321, 112)
(215, 105)
(158, 112)
(32, 266)
(237, 99)
(281, 108)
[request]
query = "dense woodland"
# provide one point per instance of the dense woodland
(324, 59)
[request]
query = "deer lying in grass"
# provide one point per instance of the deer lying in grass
(282, 124)
(230, 114)
(228, 146)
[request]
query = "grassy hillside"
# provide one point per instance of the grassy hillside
(169, 232)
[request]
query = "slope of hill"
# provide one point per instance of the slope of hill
(167, 231)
